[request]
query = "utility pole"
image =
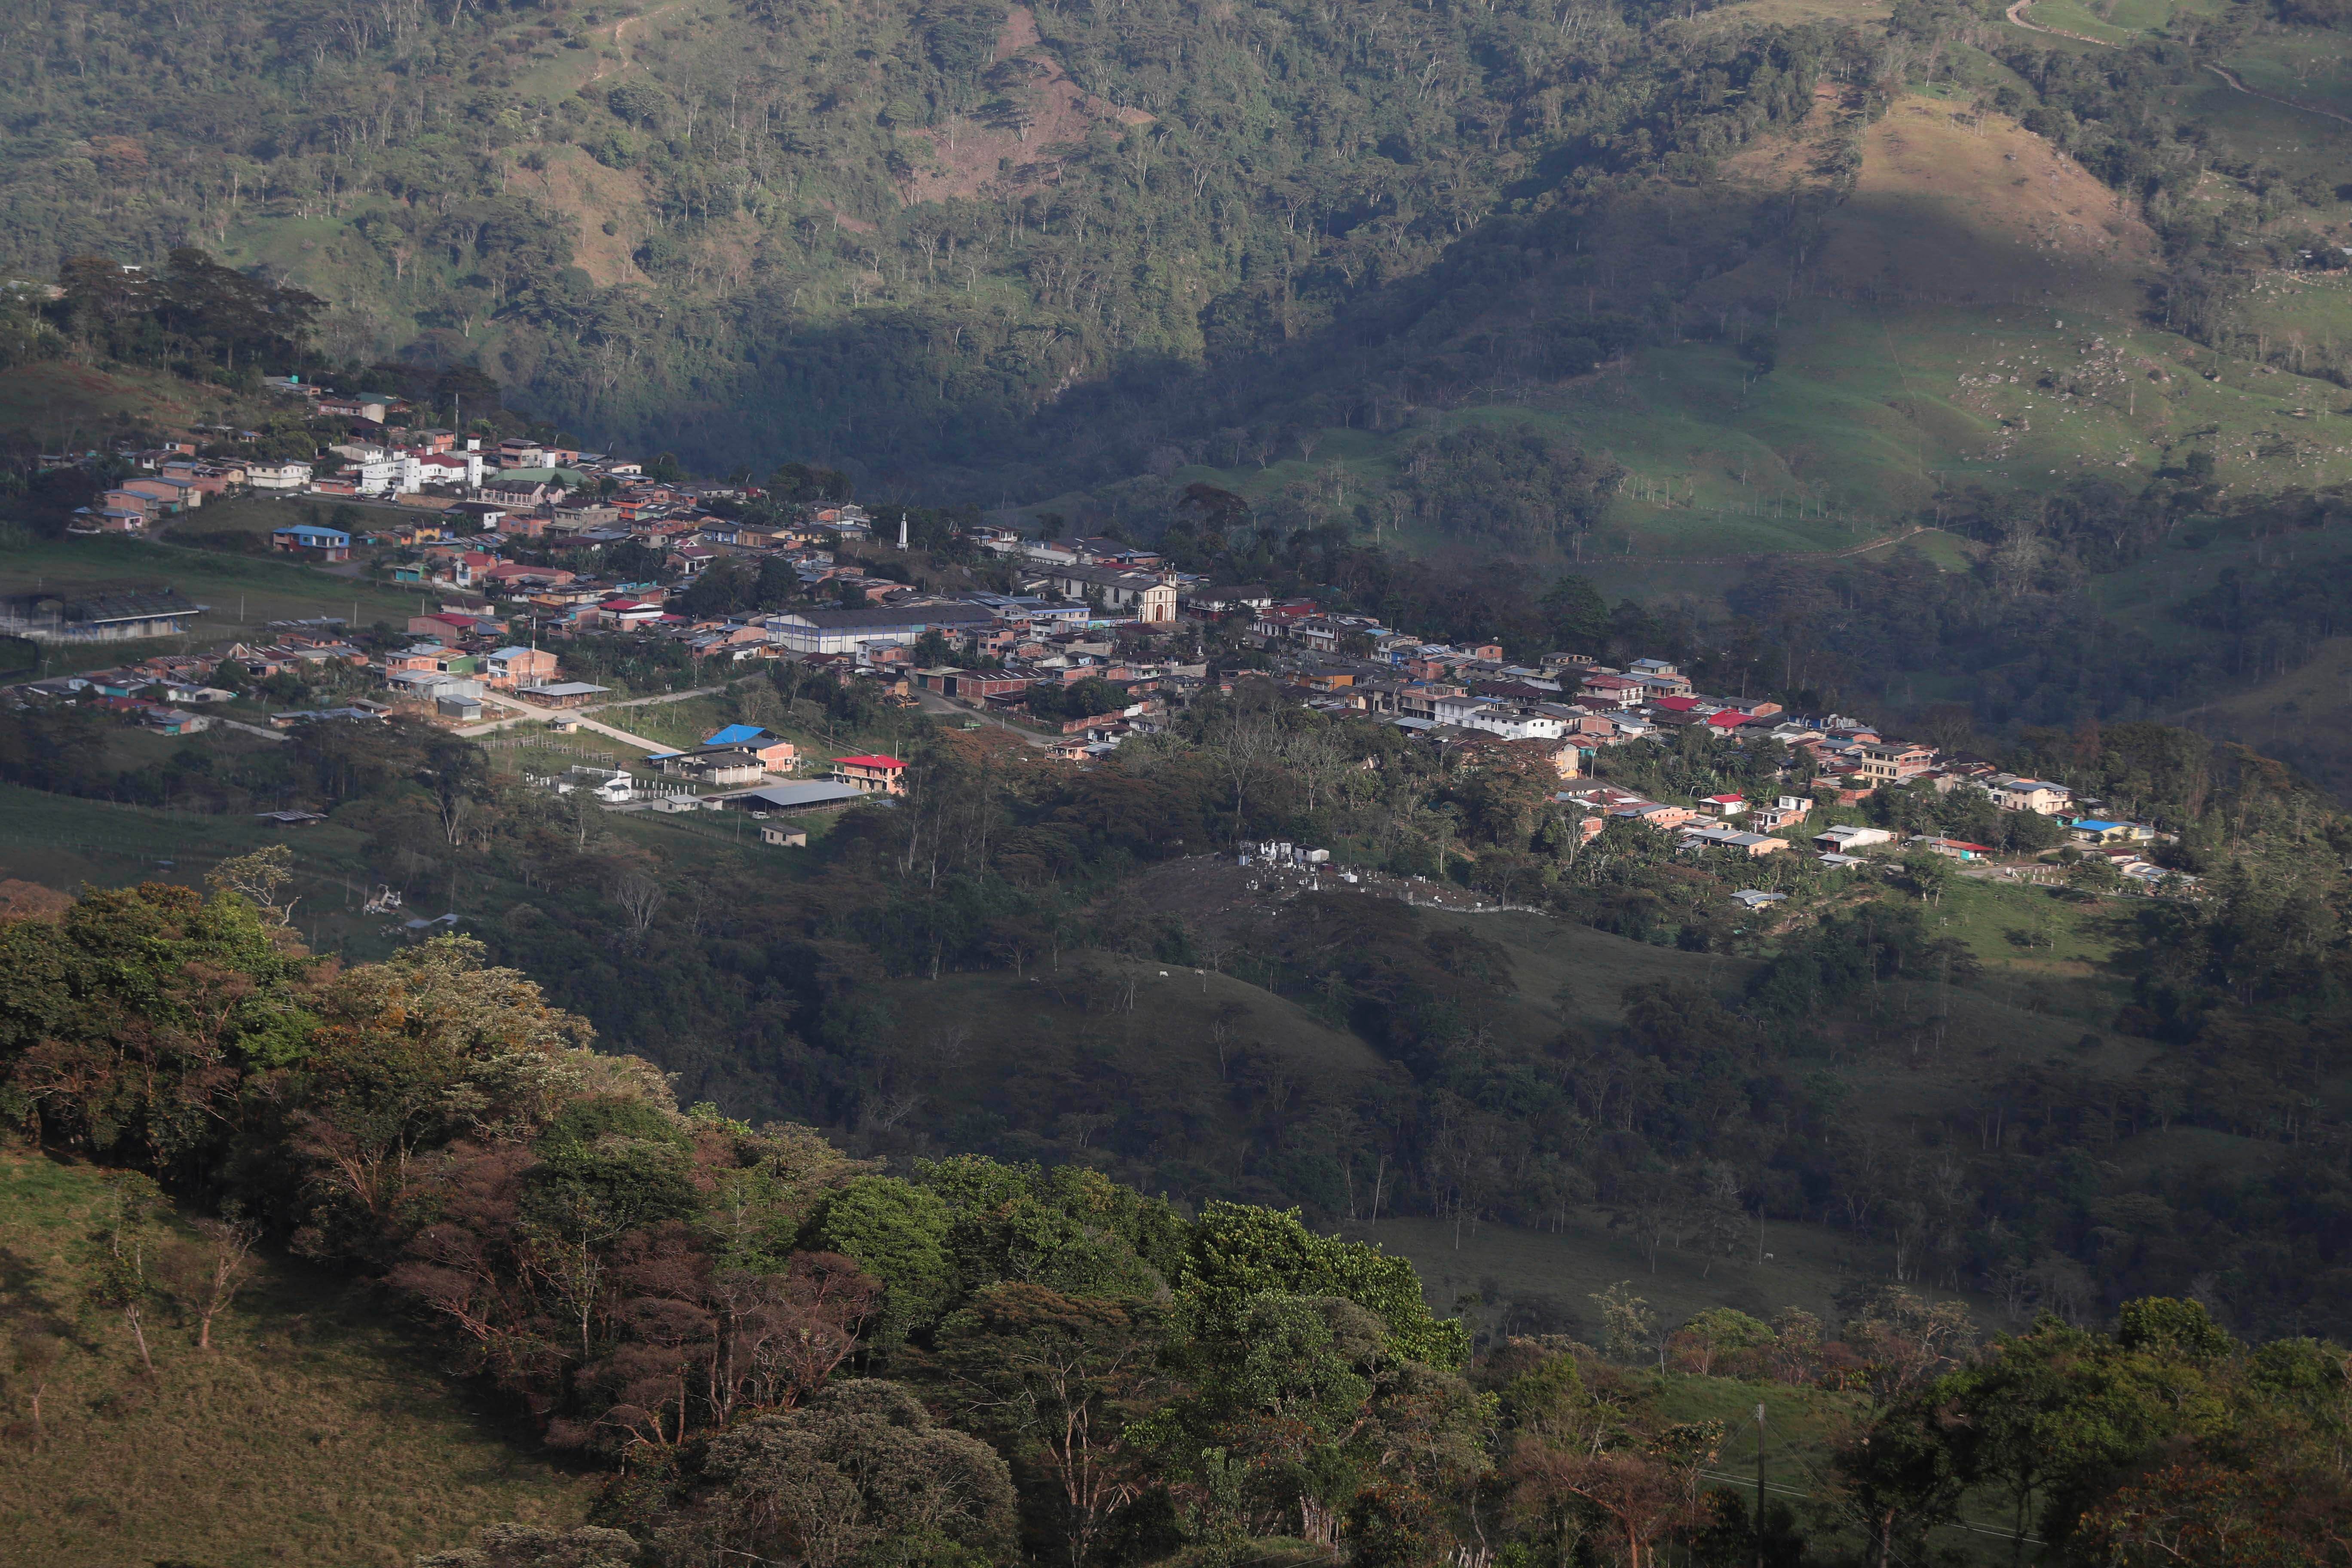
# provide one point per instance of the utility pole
(1759, 1484)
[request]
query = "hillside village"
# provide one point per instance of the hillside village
(537, 553)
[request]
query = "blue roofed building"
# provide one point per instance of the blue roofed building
(776, 754)
(331, 542)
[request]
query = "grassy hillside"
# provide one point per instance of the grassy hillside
(49, 402)
(241, 593)
(315, 1430)
(63, 842)
(2300, 717)
(1973, 311)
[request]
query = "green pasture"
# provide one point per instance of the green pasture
(2298, 144)
(1869, 407)
(242, 593)
(1558, 1271)
(254, 514)
(65, 841)
(2073, 16)
(2309, 65)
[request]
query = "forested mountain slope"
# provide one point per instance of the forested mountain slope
(1012, 252)
(766, 1348)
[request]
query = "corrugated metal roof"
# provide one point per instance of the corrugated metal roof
(795, 796)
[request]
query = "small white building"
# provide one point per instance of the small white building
(1510, 721)
(376, 476)
(1848, 837)
(277, 476)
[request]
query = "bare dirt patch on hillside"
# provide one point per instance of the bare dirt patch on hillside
(1952, 208)
(1031, 108)
(592, 195)
(50, 397)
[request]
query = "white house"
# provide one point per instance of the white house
(2038, 795)
(420, 468)
(377, 476)
(1851, 837)
(277, 476)
(1512, 723)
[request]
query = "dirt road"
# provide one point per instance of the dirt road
(2017, 15)
(932, 703)
(526, 712)
(2231, 76)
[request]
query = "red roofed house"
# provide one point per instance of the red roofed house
(1727, 720)
(871, 775)
(1725, 804)
(450, 468)
(462, 565)
(628, 613)
(443, 624)
(1275, 620)
(515, 574)
(1618, 688)
(1676, 704)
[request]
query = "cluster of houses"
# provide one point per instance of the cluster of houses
(172, 693)
(169, 479)
(1059, 628)
(1856, 763)
(1081, 610)
(471, 480)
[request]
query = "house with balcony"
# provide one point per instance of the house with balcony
(1884, 762)
(871, 775)
(508, 668)
(2040, 796)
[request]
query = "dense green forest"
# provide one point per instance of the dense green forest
(974, 254)
(776, 1350)
(1213, 186)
